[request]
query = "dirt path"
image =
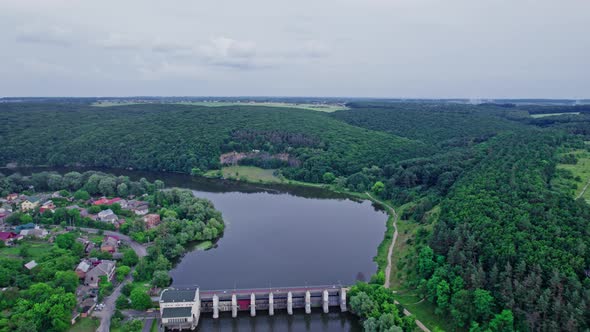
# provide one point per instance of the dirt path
(390, 253)
(584, 189)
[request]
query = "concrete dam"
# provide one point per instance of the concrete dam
(182, 308)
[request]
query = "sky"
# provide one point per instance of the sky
(344, 48)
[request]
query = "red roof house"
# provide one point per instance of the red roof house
(106, 201)
(8, 236)
(151, 220)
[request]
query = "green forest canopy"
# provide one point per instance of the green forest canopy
(509, 251)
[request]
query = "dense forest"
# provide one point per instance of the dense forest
(180, 138)
(507, 251)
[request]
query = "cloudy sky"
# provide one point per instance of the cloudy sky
(369, 48)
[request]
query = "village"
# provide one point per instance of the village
(107, 256)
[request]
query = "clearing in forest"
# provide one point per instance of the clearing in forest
(577, 179)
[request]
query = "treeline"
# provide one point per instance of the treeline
(43, 298)
(180, 138)
(507, 248)
(185, 219)
(439, 124)
(91, 182)
(374, 304)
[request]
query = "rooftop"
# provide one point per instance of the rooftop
(178, 295)
(176, 312)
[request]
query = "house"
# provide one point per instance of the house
(31, 265)
(107, 216)
(151, 220)
(4, 216)
(140, 208)
(30, 203)
(104, 268)
(12, 197)
(179, 308)
(106, 201)
(87, 306)
(8, 237)
(82, 269)
(36, 232)
(110, 244)
(56, 194)
(47, 206)
(5, 208)
(25, 226)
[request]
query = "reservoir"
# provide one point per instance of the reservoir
(277, 236)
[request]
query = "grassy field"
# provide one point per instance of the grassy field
(580, 172)
(553, 114)
(85, 325)
(424, 312)
(314, 107)
(247, 173)
(36, 250)
(205, 245)
(112, 103)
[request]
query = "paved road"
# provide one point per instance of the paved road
(109, 306)
(139, 248)
(106, 314)
(147, 325)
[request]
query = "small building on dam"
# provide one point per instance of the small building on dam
(180, 309)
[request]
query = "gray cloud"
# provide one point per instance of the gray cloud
(402, 48)
(52, 35)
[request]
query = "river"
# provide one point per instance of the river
(278, 236)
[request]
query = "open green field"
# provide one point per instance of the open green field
(112, 103)
(36, 250)
(247, 173)
(424, 312)
(578, 185)
(314, 107)
(87, 324)
(536, 116)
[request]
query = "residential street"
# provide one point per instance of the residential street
(106, 314)
(109, 308)
(139, 249)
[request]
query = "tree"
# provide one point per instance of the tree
(81, 195)
(25, 251)
(502, 322)
(378, 188)
(107, 185)
(140, 300)
(483, 303)
(122, 190)
(122, 272)
(129, 257)
(134, 325)
(161, 279)
(26, 218)
(328, 177)
(426, 264)
(65, 241)
(362, 305)
(69, 280)
(122, 302)
(443, 291)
